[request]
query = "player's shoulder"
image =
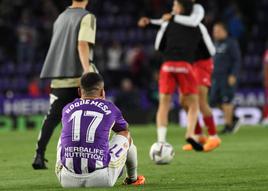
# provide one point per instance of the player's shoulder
(67, 106)
(232, 41)
(89, 17)
(111, 105)
(89, 20)
(198, 7)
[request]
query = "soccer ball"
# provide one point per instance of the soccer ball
(161, 153)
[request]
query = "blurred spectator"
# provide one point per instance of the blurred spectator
(128, 97)
(114, 56)
(265, 70)
(234, 21)
(26, 33)
(100, 57)
(50, 13)
(153, 90)
(227, 61)
(135, 58)
(34, 88)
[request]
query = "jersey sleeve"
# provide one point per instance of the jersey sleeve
(120, 123)
(87, 30)
(158, 22)
(194, 19)
(207, 39)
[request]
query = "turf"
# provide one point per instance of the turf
(240, 164)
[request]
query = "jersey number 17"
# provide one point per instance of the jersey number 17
(92, 127)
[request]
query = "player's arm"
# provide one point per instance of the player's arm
(86, 39)
(120, 126)
(145, 21)
(207, 39)
(193, 20)
(158, 22)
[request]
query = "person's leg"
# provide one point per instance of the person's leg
(58, 99)
(232, 123)
(193, 110)
(216, 97)
(167, 85)
(203, 70)
(162, 116)
(132, 166)
(119, 146)
(198, 127)
(228, 110)
(188, 88)
(132, 162)
(198, 133)
(265, 108)
(123, 152)
(191, 102)
(206, 111)
(213, 141)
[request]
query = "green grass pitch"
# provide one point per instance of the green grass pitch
(240, 164)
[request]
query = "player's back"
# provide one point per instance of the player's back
(85, 134)
(65, 34)
(181, 42)
(202, 52)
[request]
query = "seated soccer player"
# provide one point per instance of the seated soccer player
(85, 157)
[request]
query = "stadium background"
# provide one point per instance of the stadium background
(124, 54)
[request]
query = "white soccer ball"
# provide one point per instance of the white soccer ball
(162, 153)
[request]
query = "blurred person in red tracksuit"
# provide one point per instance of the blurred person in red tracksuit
(265, 82)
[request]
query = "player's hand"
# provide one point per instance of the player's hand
(91, 68)
(143, 22)
(167, 17)
(231, 80)
(88, 69)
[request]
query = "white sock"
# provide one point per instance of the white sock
(161, 134)
(132, 162)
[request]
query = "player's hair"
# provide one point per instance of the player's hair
(91, 83)
(222, 24)
(187, 6)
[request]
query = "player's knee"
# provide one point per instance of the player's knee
(206, 111)
(125, 134)
(191, 100)
(164, 100)
(204, 106)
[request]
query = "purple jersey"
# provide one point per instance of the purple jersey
(85, 134)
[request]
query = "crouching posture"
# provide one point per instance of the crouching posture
(85, 156)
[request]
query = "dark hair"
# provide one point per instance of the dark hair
(91, 82)
(79, 0)
(222, 24)
(187, 6)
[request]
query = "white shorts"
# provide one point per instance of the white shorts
(106, 177)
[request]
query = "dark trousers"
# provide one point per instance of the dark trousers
(59, 98)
